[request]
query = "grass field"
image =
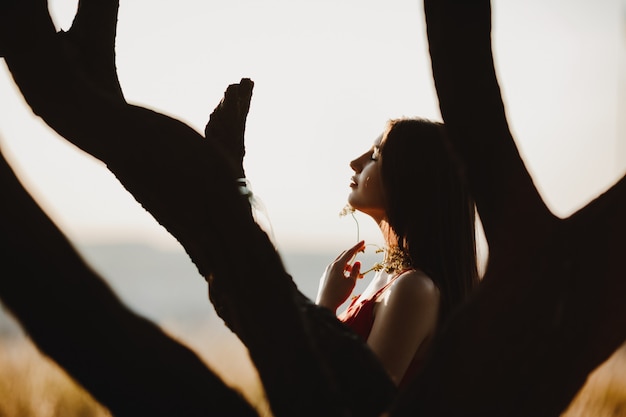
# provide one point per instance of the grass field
(32, 385)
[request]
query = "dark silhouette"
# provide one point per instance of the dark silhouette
(551, 305)
(72, 316)
(549, 311)
(312, 364)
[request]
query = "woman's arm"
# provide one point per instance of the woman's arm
(403, 320)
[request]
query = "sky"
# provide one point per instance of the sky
(328, 74)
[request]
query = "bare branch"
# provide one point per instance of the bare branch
(92, 35)
(125, 361)
(472, 109)
(550, 308)
(189, 186)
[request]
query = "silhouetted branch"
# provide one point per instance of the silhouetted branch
(189, 186)
(122, 359)
(472, 108)
(550, 308)
(93, 35)
(227, 122)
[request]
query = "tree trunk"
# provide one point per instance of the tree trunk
(522, 345)
(310, 364)
(551, 306)
(125, 361)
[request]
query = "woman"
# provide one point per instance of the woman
(409, 185)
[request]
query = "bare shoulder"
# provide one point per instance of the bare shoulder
(414, 297)
(416, 284)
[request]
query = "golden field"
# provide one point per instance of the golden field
(32, 385)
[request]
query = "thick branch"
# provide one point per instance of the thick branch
(227, 123)
(187, 185)
(93, 37)
(471, 106)
(125, 361)
(550, 308)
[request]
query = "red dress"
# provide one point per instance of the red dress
(360, 318)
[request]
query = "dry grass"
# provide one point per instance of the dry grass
(224, 353)
(604, 395)
(32, 385)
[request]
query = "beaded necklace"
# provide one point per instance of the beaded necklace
(395, 259)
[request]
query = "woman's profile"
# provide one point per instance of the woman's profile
(409, 185)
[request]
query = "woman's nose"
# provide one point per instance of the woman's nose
(358, 163)
(354, 164)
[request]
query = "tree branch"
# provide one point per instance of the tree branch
(550, 308)
(93, 34)
(125, 361)
(472, 109)
(189, 187)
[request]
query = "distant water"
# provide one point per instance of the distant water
(165, 286)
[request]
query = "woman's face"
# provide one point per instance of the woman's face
(367, 193)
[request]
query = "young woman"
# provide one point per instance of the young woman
(409, 185)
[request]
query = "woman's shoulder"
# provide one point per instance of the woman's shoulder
(413, 296)
(414, 283)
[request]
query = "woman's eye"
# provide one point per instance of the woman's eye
(374, 155)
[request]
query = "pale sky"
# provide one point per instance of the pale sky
(328, 75)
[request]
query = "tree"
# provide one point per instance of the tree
(522, 345)
(309, 363)
(550, 308)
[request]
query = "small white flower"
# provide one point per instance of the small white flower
(347, 209)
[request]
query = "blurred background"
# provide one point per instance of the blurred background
(328, 75)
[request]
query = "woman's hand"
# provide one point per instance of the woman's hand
(339, 278)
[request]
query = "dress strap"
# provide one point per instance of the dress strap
(388, 284)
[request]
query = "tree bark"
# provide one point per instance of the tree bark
(550, 308)
(125, 361)
(523, 344)
(310, 364)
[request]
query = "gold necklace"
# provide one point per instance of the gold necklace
(396, 260)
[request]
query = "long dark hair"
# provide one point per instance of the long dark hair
(429, 207)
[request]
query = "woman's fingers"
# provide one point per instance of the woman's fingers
(355, 271)
(348, 254)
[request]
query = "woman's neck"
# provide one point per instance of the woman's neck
(391, 239)
(396, 259)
